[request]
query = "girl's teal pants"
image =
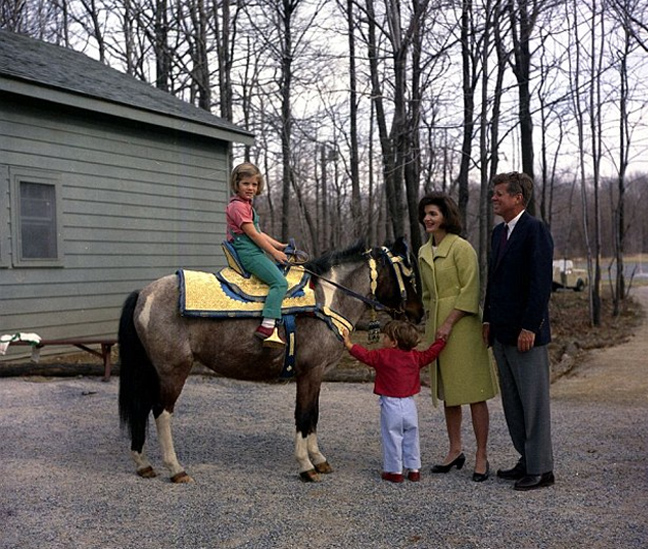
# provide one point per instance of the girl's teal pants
(259, 264)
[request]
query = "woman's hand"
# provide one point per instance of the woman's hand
(444, 331)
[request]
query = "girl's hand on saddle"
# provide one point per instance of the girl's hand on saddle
(280, 257)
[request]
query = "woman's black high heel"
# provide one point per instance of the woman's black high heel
(457, 462)
(481, 477)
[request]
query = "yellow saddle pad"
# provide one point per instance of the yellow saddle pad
(228, 294)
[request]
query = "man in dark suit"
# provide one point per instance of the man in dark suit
(516, 324)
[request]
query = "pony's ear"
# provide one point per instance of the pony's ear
(400, 247)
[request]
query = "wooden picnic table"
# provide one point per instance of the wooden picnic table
(106, 345)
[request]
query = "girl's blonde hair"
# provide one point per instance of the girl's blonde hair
(246, 169)
(403, 333)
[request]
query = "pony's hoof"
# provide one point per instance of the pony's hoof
(323, 468)
(310, 476)
(181, 478)
(147, 472)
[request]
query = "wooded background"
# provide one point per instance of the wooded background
(359, 107)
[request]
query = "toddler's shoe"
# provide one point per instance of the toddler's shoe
(392, 477)
(414, 476)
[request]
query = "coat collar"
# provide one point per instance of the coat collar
(442, 249)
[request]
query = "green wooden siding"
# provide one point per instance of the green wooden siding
(138, 203)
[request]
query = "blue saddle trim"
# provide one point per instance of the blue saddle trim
(288, 370)
(234, 291)
(233, 259)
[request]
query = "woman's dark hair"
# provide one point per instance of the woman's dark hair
(448, 207)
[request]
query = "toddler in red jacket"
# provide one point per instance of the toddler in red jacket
(398, 379)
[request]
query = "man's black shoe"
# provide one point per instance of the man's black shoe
(516, 473)
(532, 482)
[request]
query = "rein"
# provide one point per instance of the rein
(371, 301)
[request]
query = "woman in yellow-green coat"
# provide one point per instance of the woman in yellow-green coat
(463, 373)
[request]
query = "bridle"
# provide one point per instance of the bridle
(401, 269)
(402, 272)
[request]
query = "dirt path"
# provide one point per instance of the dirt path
(614, 375)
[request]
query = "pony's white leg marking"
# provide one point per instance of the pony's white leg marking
(313, 449)
(163, 423)
(143, 465)
(140, 459)
(301, 453)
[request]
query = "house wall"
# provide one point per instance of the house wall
(137, 203)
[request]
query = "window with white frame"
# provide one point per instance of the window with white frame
(36, 211)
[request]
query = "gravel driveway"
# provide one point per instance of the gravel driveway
(66, 480)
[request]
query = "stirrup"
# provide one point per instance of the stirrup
(274, 340)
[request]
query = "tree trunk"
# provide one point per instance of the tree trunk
(413, 142)
(286, 112)
(521, 28)
(160, 46)
(356, 203)
(468, 85)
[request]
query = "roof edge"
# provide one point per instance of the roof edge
(77, 100)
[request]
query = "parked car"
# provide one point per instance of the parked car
(565, 275)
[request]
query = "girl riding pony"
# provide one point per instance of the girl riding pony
(252, 245)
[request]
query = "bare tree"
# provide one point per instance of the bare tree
(197, 38)
(596, 56)
(392, 177)
(523, 16)
(624, 12)
(470, 57)
(161, 46)
(225, 35)
(356, 204)
(399, 140)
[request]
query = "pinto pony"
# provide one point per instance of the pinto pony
(158, 347)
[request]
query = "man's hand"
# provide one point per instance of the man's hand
(526, 339)
(486, 334)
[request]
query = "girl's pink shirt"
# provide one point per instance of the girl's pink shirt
(238, 212)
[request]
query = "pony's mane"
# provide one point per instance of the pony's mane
(325, 262)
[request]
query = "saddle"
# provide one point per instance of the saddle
(229, 294)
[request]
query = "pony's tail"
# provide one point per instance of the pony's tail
(138, 380)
